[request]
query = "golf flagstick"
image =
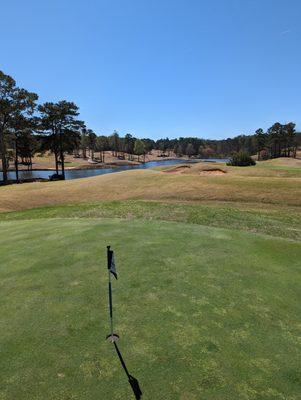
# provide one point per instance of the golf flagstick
(113, 337)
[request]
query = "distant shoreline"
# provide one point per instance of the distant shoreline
(91, 166)
(116, 164)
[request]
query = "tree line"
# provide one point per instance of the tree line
(280, 140)
(28, 128)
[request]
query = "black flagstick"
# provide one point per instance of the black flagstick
(113, 337)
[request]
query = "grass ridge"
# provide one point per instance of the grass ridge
(276, 222)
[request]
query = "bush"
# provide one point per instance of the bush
(56, 177)
(241, 159)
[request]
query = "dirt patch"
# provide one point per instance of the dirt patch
(178, 170)
(216, 171)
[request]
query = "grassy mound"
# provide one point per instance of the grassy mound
(275, 221)
(240, 185)
(281, 162)
(202, 312)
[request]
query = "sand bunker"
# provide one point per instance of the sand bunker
(185, 168)
(212, 172)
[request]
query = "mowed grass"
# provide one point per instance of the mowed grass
(203, 312)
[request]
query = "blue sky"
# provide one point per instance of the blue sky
(208, 68)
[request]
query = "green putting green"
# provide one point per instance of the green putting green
(202, 312)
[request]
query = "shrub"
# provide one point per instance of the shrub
(56, 177)
(241, 159)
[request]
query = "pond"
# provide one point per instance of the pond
(84, 173)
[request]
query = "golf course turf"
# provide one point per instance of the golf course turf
(207, 302)
(203, 312)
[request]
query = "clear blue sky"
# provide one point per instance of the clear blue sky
(208, 68)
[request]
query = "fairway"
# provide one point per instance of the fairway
(203, 312)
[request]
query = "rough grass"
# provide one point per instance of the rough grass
(278, 167)
(274, 221)
(203, 313)
(240, 185)
(282, 162)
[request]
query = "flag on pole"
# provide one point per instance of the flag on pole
(111, 262)
(113, 337)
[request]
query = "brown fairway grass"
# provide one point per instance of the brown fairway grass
(260, 184)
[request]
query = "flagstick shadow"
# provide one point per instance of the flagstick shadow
(132, 381)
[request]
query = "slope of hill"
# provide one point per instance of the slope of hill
(265, 183)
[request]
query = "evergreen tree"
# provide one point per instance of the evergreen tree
(139, 148)
(58, 120)
(14, 102)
